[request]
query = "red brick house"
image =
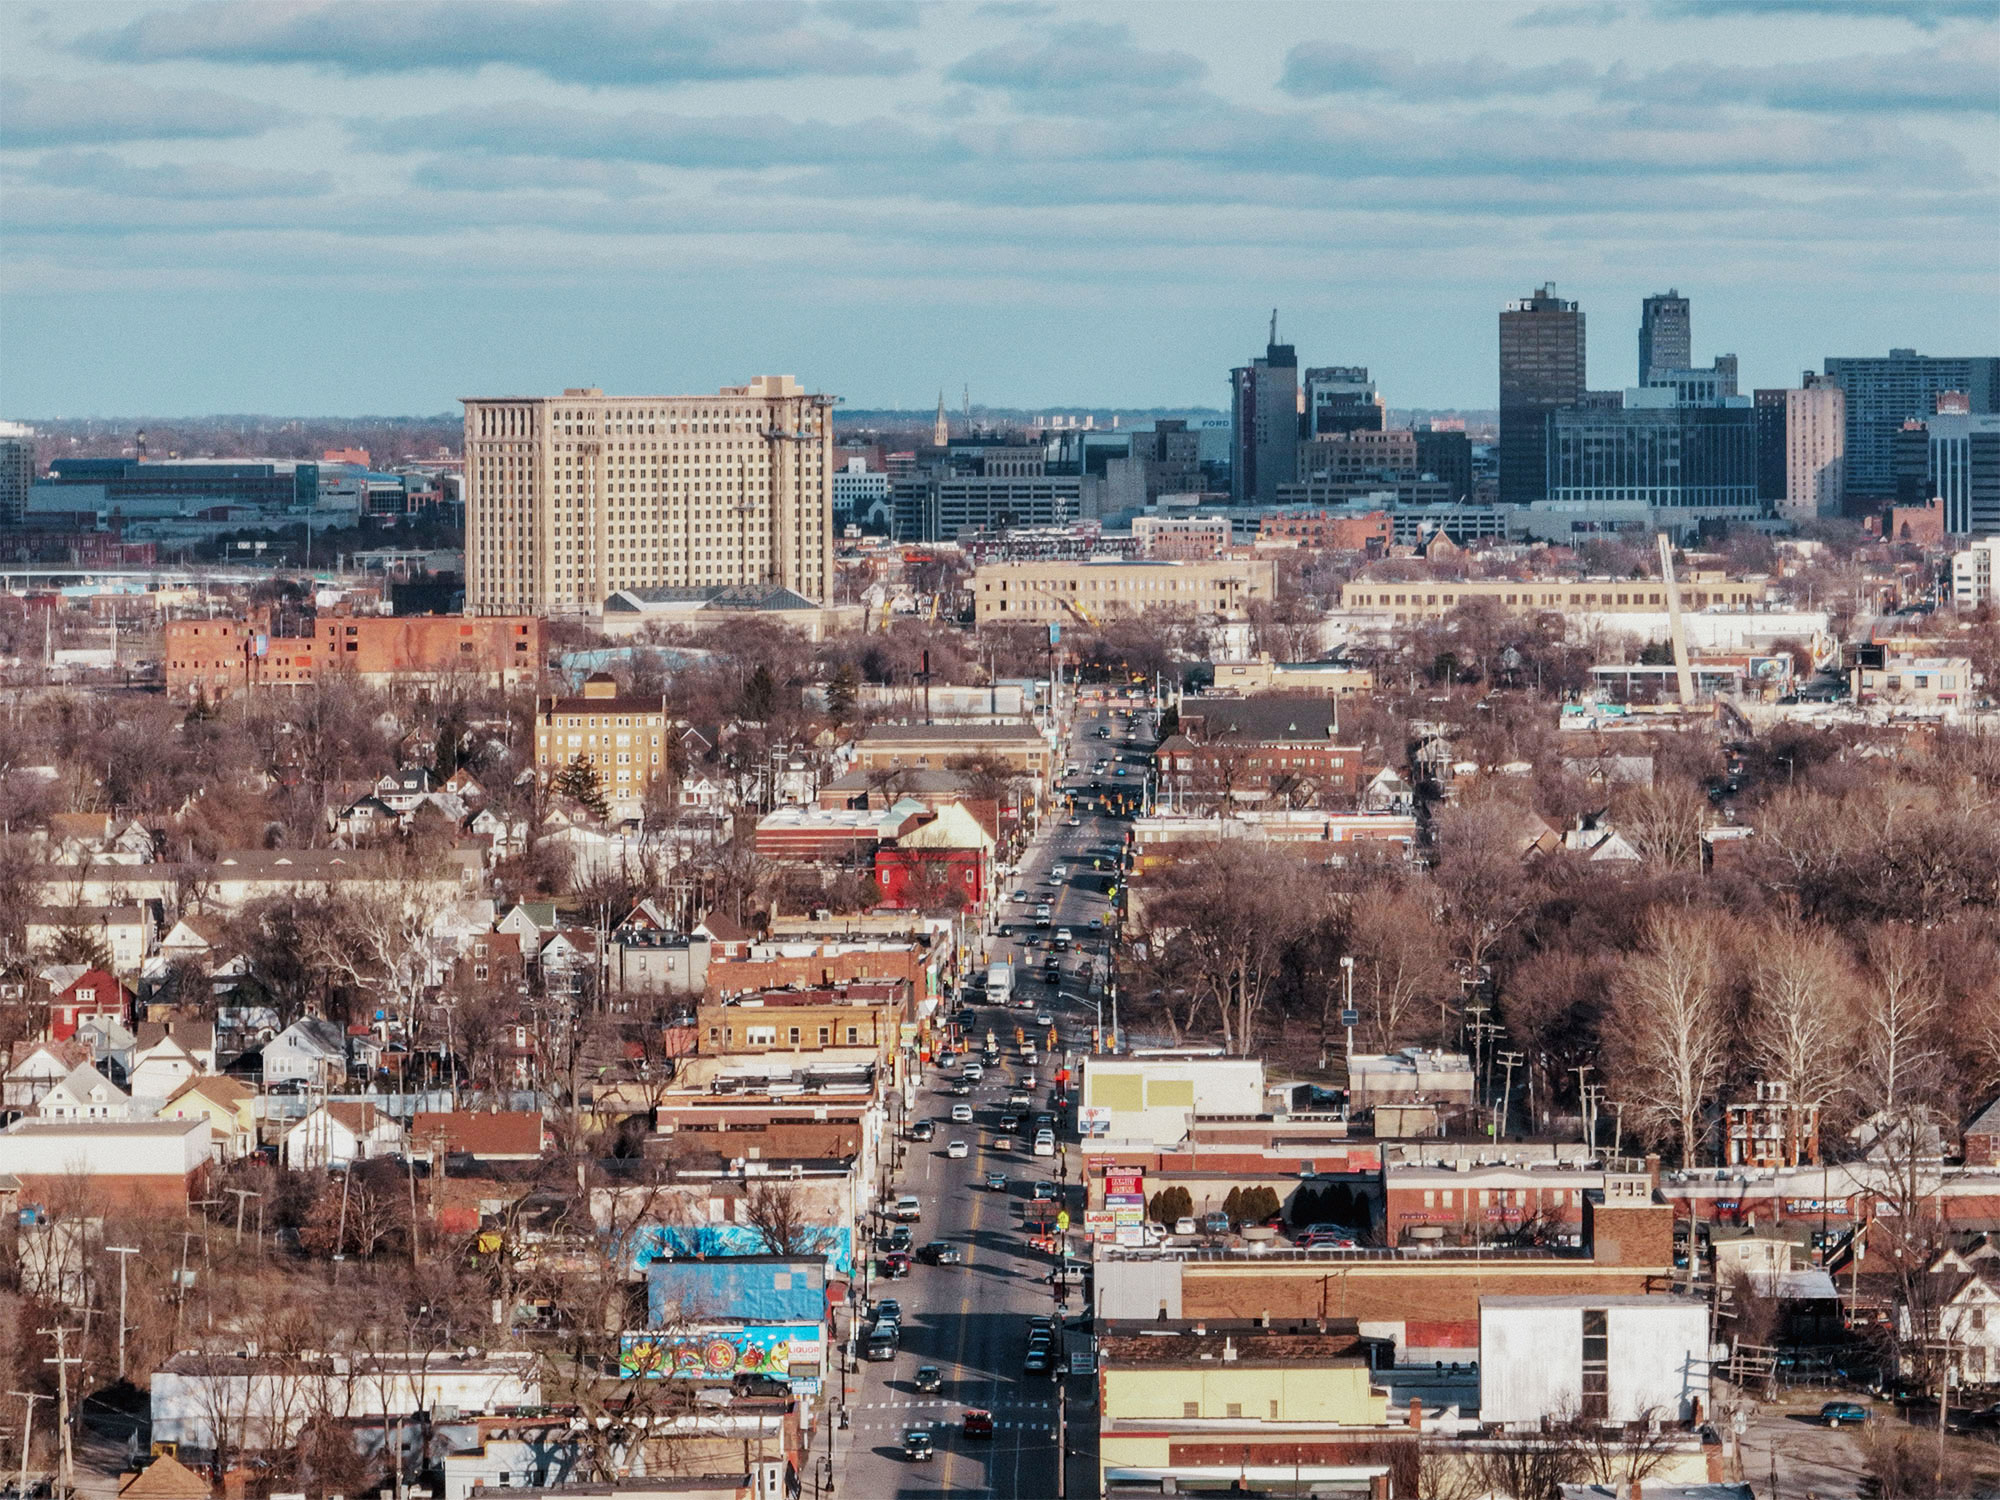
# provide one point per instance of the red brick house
(96, 992)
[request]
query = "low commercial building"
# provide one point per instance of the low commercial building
(1019, 748)
(1238, 1406)
(1434, 598)
(156, 1165)
(1072, 593)
(1619, 1359)
(1940, 682)
(1152, 1098)
(866, 1014)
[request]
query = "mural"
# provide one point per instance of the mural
(651, 1242)
(719, 1353)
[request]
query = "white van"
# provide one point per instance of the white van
(1045, 1143)
(999, 981)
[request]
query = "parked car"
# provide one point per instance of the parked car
(923, 1130)
(1844, 1414)
(1184, 1226)
(957, 1151)
(917, 1445)
(1037, 1361)
(880, 1346)
(896, 1265)
(1215, 1223)
(888, 1309)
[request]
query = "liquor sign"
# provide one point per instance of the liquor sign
(1100, 1223)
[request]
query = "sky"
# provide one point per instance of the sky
(339, 207)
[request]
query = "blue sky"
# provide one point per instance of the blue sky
(350, 206)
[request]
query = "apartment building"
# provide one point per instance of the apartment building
(1070, 593)
(220, 657)
(1192, 538)
(1433, 598)
(570, 498)
(623, 739)
(1915, 681)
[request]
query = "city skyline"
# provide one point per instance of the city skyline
(233, 208)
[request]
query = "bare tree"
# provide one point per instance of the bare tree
(777, 1210)
(1801, 1031)
(1669, 1029)
(1901, 1005)
(1663, 823)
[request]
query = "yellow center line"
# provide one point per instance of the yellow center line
(964, 1312)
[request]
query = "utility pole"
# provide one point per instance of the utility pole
(241, 1194)
(1583, 1096)
(1507, 1061)
(66, 1478)
(27, 1438)
(124, 1254)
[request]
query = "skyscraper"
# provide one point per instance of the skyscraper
(1884, 393)
(1264, 423)
(1801, 448)
(1341, 398)
(1666, 335)
(1541, 370)
(569, 498)
(17, 471)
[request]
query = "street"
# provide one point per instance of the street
(971, 1320)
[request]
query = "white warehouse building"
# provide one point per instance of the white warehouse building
(1620, 1358)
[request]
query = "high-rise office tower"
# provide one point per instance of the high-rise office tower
(1341, 398)
(17, 471)
(569, 498)
(1666, 335)
(1801, 449)
(1264, 423)
(1884, 393)
(1541, 370)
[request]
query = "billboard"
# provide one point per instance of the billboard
(1093, 1120)
(721, 1352)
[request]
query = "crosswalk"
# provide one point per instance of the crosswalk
(1024, 1417)
(956, 1406)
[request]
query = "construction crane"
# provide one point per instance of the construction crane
(1683, 674)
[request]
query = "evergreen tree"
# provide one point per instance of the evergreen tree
(578, 781)
(840, 693)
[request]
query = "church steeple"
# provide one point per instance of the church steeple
(941, 431)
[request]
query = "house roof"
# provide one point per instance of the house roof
(91, 979)
(217, 1087)
(189, 1036)
(1281, 718)
(952, 828)
(356, 1116)
(1987, 1121)
(481, 1134)
(723, 929)
(314, 1032)
(84, 1078)
(71, 1053)
(165, 1478)
(79, 825)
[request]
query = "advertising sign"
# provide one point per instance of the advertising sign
(1093, 1120)
(1830, 1206)
(721, 1352)
(1124, 1181)
(1099, 1223)
(1131, 1234)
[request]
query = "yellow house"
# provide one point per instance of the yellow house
(1208, 1404)
(228, 1104)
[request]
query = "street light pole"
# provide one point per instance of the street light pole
(124, 1254)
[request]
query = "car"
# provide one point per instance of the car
(900, 1238)
(909, 1209)
(973, 1072)
(941, 1253)
(896, 1265)
(1031, 1056)
(957, 1151)
(923, 1130)
(1059, 874)
(880, 1346)
(1043, 1018)
(996, 1182)
(1117, 770)
(1064, 935)
(1104, 731)
(1045, 1192)
(1074, 823)
(1045, 1143)
(1037, 1361)
(959, 1090)
(978, 1424)
(1010, 1122)
(888, 1308)
(1022, 895)
(961, 1114)
(1097, 924)
(1041, 916)
(1844, 1414)
(918, 1446)
(1215, 1223)
(1041, 1323)
(1018, 1100)
(929, 1380)
(1184, 1226)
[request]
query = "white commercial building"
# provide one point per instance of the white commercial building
(1150, 1100)
(1972, 573)
(1619, 1358)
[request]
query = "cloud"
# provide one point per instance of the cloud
(1603, 13)
(572, 41)
(102, 172)
(61, 112)
(1081, 61)
(1927, 14)
(1961, 77)
(874, 15)
(1315, 69)
(746, 142)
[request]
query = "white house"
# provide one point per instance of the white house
(1621, 1358)
(310, 1050)
(166, 1054)
(37, 1067)
(85, 1094)
(340, 1132)
(532, 922)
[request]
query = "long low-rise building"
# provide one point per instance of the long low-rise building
(215, 658)
(1072, 593)
(150, 1164)
(1434, 598)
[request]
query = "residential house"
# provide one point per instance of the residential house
(946, 860)
(228, 1104)
(370, 818)
(491, 961)
(463, 785)
(111, 1044)
(1968, 1318)
(569, 961)
(95, 992)
(1275, 748)
(1598, 842)
(166, 1054)
(85, 1094)
(1982, 1137)
(310, 1050)
(403, 790)
(192, 939)
(125, 933)
(533, 922)
(36, 1067)
(483, 1135)
(340, 1133)
(505, 836)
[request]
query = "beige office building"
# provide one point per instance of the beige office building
(1815, 453)
(570, 498)
(1036, 593)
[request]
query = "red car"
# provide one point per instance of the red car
(896, 1265)
(979, 1424)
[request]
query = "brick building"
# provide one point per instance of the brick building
(1332, 530)
(218, 657)
(625, 740)
(1276, 749)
